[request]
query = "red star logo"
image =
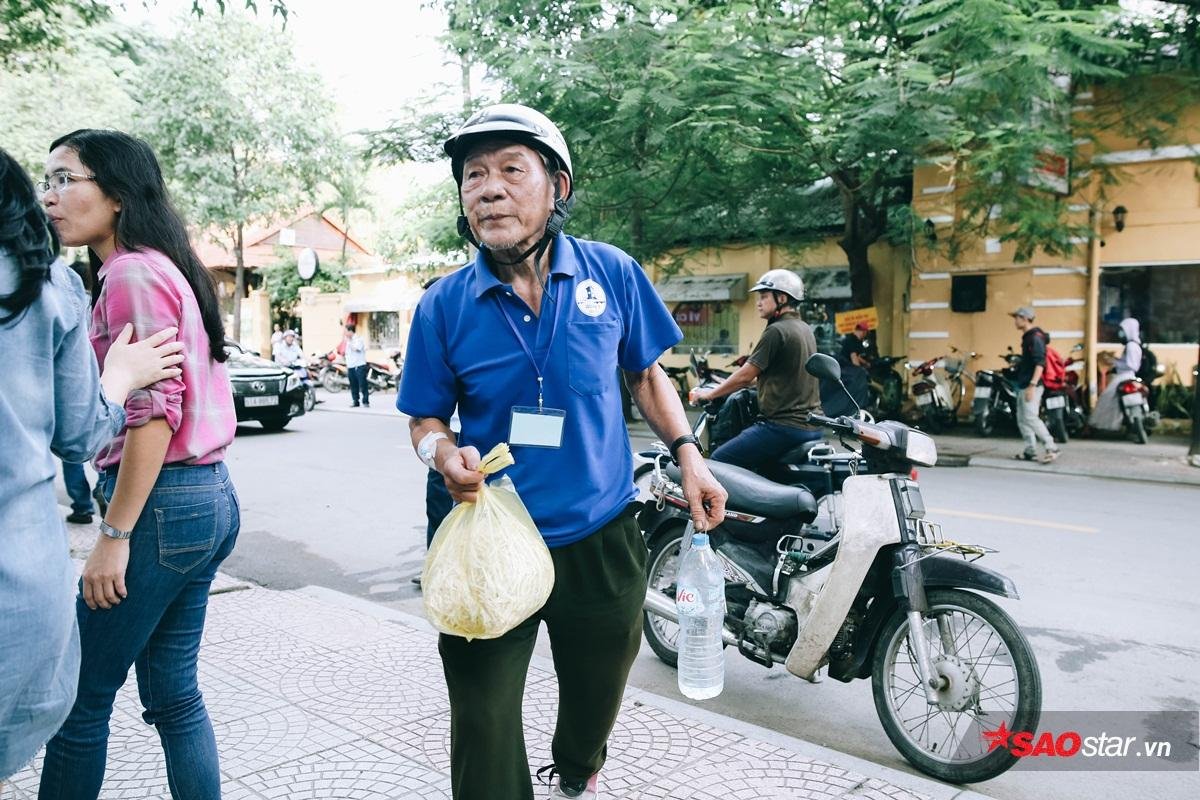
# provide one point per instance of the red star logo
(997, 738)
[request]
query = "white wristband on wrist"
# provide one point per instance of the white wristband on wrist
(427, 448)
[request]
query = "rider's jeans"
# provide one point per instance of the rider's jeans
(1033, 430)
(762, 444)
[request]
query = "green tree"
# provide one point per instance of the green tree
(347, 192)
(244, 134)
(706, 120)
(283, 282)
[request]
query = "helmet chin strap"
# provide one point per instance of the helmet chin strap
(554, 225)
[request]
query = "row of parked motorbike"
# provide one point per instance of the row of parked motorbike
(329, 372)
(834, 569)
(938, 389)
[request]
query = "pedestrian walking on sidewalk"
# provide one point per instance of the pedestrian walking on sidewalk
(172, 512)
(53, 402)
(526, 341)
(356, 367)
(1029, 389)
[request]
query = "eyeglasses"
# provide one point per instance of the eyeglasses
(60, 180)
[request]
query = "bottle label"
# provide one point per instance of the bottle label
(687, 600)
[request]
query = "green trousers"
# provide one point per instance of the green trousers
(594, 620)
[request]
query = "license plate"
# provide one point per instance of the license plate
(983, 392)
(929, 533)
(258, 402)
(1056, 402)
(1129, 400)
(925, 399)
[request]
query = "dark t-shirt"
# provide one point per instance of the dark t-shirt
(786, 393)
(1033, 354)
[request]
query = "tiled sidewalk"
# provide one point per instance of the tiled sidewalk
(317, 695)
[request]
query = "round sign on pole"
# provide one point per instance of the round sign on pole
(306, 264)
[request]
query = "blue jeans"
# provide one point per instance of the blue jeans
(77, 488)
(762, 444)
(359, 385)
(187, 528)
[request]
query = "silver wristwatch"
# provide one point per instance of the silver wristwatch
(113, 533)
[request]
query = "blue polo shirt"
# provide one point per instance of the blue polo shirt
(463, 351)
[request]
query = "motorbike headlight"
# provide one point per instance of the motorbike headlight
(293, 382)
(920, 449)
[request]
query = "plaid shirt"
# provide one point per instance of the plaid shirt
(145, 288)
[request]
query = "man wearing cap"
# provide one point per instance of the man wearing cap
(786, 392)
(527, 341)
(855, 347)
(1028, 379)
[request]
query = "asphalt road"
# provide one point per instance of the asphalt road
(1105, 570)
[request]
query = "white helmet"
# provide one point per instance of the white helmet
(781, 280)
(510, 121)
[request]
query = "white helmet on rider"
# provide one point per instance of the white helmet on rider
(781, 280)
(510, 121)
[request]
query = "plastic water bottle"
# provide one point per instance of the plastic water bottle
(700, 601)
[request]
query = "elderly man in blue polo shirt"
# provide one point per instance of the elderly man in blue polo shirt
(526, 342)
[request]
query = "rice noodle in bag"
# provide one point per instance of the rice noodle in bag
(488, 569)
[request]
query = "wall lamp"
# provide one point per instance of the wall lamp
(1119, 218)
(930, 231)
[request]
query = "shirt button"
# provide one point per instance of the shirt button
(509, 294)
(527, 318)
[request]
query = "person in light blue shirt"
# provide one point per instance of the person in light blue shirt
(526, 342)
(52, 403)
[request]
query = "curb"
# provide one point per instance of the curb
(934, 789)
(1082, 472)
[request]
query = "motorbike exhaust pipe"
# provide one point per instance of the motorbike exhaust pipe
(659, 604)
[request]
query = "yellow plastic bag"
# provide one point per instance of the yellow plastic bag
(488, 569)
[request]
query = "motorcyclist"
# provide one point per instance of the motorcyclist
(786, 393)
(288, 351)
(1107, 414)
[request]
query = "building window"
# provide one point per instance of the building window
(383, 329)
(1163, 299)
(707, 326)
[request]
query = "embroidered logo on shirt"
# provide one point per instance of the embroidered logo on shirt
(590, 298)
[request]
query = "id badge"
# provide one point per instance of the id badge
(536, 427)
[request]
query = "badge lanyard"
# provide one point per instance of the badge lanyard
(537, 369)
(540, 426)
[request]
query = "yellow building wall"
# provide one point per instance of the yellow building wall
(320, 320)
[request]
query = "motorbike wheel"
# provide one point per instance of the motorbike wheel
(332, 381)
(661, 565)
(1057, 426)
(933, 419)
(984, 424)
(1001, 686)
(1137, 426)
(310, 399)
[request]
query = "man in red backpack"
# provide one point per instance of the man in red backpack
(1028, 381)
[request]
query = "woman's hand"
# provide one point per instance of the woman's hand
(132, 366)
(104, 573)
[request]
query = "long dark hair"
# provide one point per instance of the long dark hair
(26, 235)
(127, 170)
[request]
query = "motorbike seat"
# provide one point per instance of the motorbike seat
(753, 494)
(799, 455)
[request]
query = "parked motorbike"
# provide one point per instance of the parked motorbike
(1135, 409)
(1064, 408)
(334, 376)
(932, 394)
(886, 387)
(876, 593)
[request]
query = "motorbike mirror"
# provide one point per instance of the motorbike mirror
(1077, 348)
(822, 366)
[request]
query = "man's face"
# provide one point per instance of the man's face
(507, 194)
(1020, 322)
(765, 303)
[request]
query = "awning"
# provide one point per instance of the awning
(355, 305)
(702, 288)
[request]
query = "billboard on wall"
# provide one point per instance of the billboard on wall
(847, 320)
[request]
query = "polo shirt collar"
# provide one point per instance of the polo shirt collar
(562, 262)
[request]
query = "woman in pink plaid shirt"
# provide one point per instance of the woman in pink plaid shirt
(172, 511)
